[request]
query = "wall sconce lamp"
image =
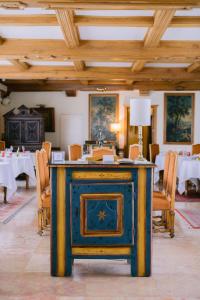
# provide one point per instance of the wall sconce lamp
(115, 127)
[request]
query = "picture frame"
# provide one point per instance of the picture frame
(179, 118)
(103, 110)
(48, 114)
(58, 156)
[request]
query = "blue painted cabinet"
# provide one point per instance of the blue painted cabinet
(101, 211)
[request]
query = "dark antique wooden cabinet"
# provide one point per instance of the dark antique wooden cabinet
(24, 127)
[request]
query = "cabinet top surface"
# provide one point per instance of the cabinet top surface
(92, 165)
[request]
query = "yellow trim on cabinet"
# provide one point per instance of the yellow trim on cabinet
(141, 249)
(61, 215)
(104, 175)
(101, 250)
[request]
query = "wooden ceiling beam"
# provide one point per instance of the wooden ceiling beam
(137, 21)
(98, 73)
(63, 85)
(193, 67)
(28, 20)
(71, 35)
(98, 50)
(162, 19)
(142, 21)
(96, 4)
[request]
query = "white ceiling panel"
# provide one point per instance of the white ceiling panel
(31, 32)
(50, 63)
(182, 34)
(111, 33)
(189, 12)
(5, 63)
(166, 65)
(109, 64)
(26, 11)
(114, 13)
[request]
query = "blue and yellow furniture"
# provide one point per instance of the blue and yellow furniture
(101, 211)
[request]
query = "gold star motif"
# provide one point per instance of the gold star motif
(102, 215)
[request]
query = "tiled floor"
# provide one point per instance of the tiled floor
(24, 267)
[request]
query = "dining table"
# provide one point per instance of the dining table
(188, 169)
(7, 179)
(14, 164)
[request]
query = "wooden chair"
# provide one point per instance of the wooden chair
(134, 151)
(97, 153)
(196, 149)
(47, 147)
(154, 149)
(75, 151)
(165, 176)
(165, 202)
(2, 145)
(43, 191)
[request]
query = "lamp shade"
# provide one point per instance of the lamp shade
(140, 112)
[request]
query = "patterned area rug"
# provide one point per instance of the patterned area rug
(13, 207)
(191, 197)
(192, 217)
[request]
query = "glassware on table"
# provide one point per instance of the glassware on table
(11, 148)
(23, 149)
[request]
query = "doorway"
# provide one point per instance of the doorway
(148, 132)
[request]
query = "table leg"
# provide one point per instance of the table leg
(5, 194)
(27, 181)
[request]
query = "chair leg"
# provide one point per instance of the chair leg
(171, 228)
(40, 221)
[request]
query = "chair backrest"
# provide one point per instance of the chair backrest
(46, 167)
(2, 145)
(75, 151)
(97, 153)
(40, 175)
(47, 147)
(196, 149)
(171, 182)
(166, 170)
(154, 150)
(134, 151)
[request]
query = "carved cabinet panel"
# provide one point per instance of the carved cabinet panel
(24, 127)
(102, 213)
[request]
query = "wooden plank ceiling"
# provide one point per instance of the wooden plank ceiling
(110, 45)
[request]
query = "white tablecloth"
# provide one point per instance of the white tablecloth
(14, 165)
(188, 168)
(7, 178)
(23, 164)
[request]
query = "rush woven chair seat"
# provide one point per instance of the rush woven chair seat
(43, 190)
(164, 201)
(75, 151)
(134, 151)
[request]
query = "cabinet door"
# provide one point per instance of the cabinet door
(102, 214)
(32, 131)
(13, 132)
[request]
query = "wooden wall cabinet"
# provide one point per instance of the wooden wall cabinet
(24, 127)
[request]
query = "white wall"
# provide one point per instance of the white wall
(79, 105)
